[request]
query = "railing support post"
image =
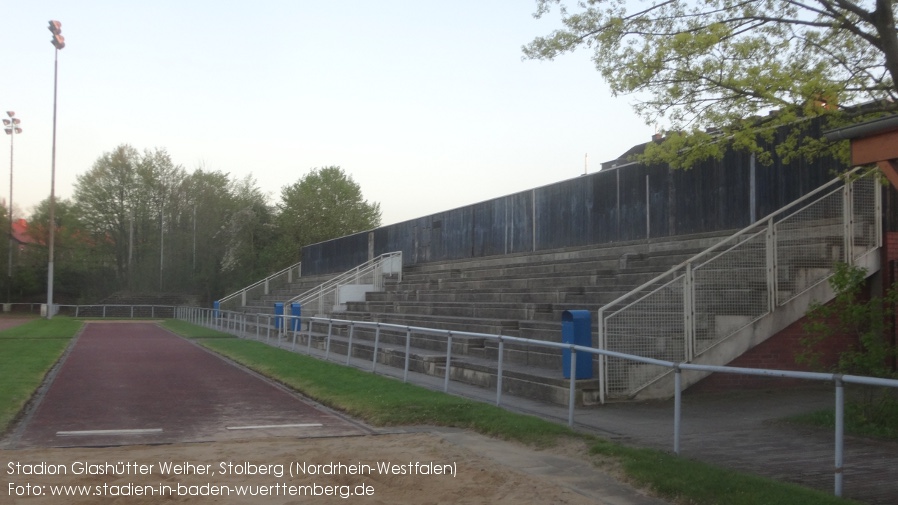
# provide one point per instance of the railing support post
(327, 344)
(376, 343)
(408, 350)
(848, 221)
(840, 434)
(349, 347)
(688, 314)
(770, 247)
(600, 343)
(448, 357)
(309, 339)
(678, 408)
(499, 372)
(572, 397)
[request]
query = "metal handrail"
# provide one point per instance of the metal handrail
(352, 276)
(267, 280)
(681, 284)
(207, 317)
(757, 224)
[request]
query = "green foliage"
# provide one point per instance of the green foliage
(726, 65)
(868, 320)
(139, 222)
(325, 203)
(850, 313)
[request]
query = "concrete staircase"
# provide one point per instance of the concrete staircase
(521, 295)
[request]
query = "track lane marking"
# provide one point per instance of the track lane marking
(87, 433)
(271, 426)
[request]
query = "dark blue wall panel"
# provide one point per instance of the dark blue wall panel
(630, 202)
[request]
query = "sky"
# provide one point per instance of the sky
(427, 105)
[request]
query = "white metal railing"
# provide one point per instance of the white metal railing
(696, 305)
(239, 323)
(350, 285)
(261, 288)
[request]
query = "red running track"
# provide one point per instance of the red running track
(136, 383)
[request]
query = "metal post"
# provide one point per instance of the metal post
(847, 225)
(309, 341)
(499, 372)
(678, 407)
(573, 390)
(295, 327)
(770, 244)
(408, 350)
(12, 131)
(448, 361)
(51, 225)
(600, 340)
(688, 313)
(349, 345)
(327, 344)
(376, 342)
(840, 434)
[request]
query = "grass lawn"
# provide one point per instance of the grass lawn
(27, 352)
(384, 401)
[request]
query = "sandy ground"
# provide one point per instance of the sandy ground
(481, 470)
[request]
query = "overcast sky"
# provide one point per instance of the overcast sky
(428, 105)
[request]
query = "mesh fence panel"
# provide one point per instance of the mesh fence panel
(730, 290)
(650, 326)
(809, 243)
(865, 225)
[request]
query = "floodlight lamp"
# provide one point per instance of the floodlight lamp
(7, 122)
(55, 27)
(10, 113)
(58, 41)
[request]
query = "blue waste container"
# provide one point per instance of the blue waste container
(278, 315)
(295, 321)
(576, 328)
(216, 309)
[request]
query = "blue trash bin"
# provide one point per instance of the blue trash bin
(278, 315)
(576, 328)
(295, 321)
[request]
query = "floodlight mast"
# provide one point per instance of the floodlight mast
(58, 42)
(12, 129)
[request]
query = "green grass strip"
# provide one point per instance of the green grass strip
(27, 352)
(858, 420)
(380, 400)
(383, 401)
(688, 481)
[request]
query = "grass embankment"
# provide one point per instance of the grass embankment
(384, 401)
(27, 352)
